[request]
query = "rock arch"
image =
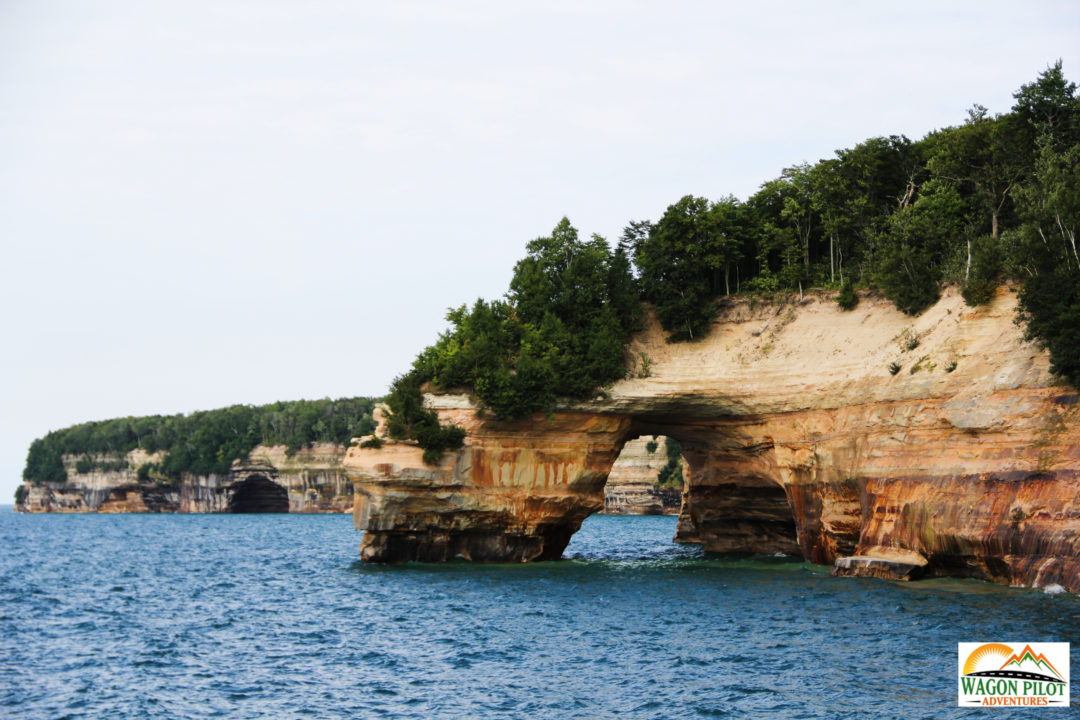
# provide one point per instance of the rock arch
(966, 463)
(518, 491)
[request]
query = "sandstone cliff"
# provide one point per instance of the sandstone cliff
(885, 444)
(310, 480)
(633, 486)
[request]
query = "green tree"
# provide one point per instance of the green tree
(876, 179)
(785, 218)
(724, 243)
(982, 159)
(564, 288)
(44, 462)
(560, 332)
(1048, 108)
(674, 271)
(1050, 295)
(622, 291)
(912, 245)
(827, 195)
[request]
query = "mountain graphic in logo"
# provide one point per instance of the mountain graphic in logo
(1000, 661)
(1028, 661)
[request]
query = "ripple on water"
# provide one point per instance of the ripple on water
(272, 616)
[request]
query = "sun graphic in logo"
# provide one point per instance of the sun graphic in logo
(986, 657)
(1000, 660)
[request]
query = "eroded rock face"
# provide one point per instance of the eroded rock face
(633, 486)
(311, 480)
(515, 492)
(799, 438)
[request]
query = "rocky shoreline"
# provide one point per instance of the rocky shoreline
(311, 480)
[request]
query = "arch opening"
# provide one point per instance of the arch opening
(647, 478)
(258, 494)
(729, 500)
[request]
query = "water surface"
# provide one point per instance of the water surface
(217, 616)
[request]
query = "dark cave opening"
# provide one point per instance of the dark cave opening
(258, 494)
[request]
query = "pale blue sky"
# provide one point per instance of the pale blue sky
(207, 203)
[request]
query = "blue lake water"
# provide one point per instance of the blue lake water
(216, 616)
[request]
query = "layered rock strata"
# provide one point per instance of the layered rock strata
(902, 447)
(633, 486)
(310, 480)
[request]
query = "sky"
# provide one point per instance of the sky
(210, 203)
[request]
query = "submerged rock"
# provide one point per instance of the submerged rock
(883, 563)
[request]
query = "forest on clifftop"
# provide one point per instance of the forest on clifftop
(201, 442)
(995, 198)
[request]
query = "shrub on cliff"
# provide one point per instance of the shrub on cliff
(410, 419)
(985, 275)
(672, 472)
(847, 299)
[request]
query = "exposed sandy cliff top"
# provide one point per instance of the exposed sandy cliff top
(814, 355)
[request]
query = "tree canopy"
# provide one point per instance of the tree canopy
(995, 197)
(203, 442)
(559, 332)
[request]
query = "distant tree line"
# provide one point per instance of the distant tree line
(995, 198)
(200, 443)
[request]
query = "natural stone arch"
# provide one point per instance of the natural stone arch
(519, 490)
(972, 468)
(257, 493)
